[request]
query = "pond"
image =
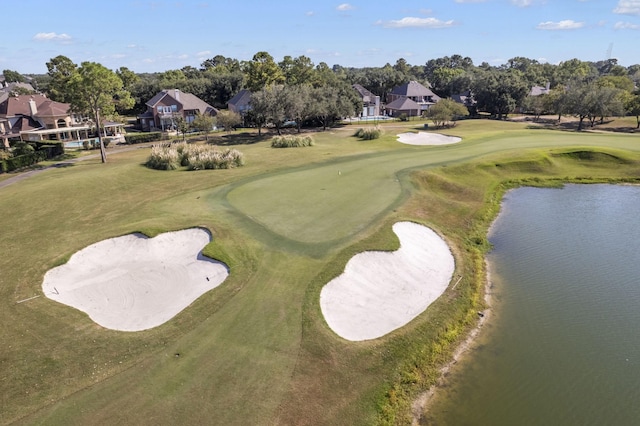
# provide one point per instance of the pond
(562, 346)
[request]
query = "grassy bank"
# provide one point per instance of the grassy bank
(256, 350)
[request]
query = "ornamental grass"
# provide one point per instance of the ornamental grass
(368, 134)
(193, 157)
(291, 141)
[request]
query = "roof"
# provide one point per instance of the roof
(19, 105)
(411, 89)
(186, 100)
(53, 109)
(403, 104)
(13, 86)
(465, 98)
(539, 90)
(241, 98)
(365, 94)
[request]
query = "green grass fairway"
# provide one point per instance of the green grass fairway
(256, 350)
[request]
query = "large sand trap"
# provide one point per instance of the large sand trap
(427, 138)
(382, 291)
(134, 283)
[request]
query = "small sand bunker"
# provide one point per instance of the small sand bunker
(134, 283)
(427, 138)
(382, 291)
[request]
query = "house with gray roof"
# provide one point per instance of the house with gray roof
(167, 105)
(240, 103)
(540, 90)
(370, 102)
(411, 91)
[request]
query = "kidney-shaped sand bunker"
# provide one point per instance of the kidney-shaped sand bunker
(134, 283)
(382, 291)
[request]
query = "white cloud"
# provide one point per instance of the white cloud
(470, 1)
(310, 13)
(522, 3)
(203, 53)
(560, 25)
(52, 37)
(344, 7)
(412, 22)
(628, 7)
(625, 26)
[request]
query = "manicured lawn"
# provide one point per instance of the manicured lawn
(256, 349)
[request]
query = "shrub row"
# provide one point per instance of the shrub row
(194, 157)
(368, 134)
(133, 138)
(14, 163)
(52, 149)
(291, 141)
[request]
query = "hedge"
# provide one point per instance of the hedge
(26, 160)
(134, 138)
(52, 149)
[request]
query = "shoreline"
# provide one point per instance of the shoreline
(422, 402)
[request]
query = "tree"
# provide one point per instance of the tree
(588, 100)
(446, 111)
(499, 92)
(556, 101)
(534, 105)
(259, 109)
(12, 76)
(204, 123)
(60, 70)
(297, 70)
(181, 125)
(262, 71)
(633, 107)
(95, 89)
(228, 119)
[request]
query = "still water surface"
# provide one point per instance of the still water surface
(563, 344)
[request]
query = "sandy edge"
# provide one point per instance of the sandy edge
(421, 403)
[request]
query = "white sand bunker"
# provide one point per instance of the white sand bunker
(382, 291)
(134, 283)
(426, 138)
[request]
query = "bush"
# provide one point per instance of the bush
(291, 141)
(52, 149)
(163, 157)
(368, 133)
(194, 157)
(134, 138)
(25, 160)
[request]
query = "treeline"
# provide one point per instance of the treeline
(588, 90)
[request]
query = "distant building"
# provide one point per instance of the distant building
(370, 102)
(240, 103)
(540, 90)
(37, 118)
(421, 99)
(167, 105)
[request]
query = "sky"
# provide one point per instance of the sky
(159, 35)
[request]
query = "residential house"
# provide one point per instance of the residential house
(370, 102)
(466, 98)
(240, 103)
(420, 97)
(167, 105)
(37, 118)
(11, 88)
(540, 90)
